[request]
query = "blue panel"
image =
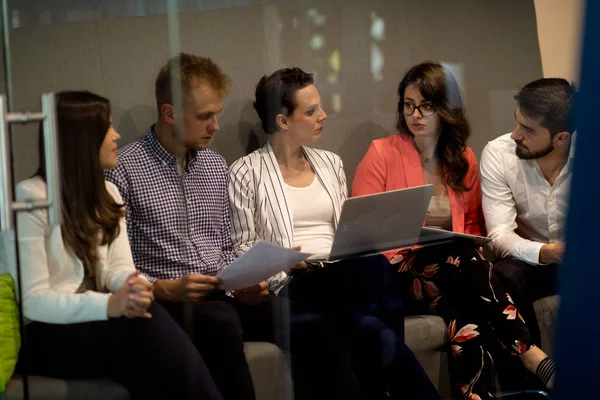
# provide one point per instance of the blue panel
(578, 328)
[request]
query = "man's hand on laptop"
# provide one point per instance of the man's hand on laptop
(552, 253)
(194, 286)
(253, 295)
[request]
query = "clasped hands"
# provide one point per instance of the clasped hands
(132, 299)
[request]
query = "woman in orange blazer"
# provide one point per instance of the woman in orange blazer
(394, 163)
(451, 280)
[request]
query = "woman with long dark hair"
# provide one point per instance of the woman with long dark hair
(451, 280)
(88, 312)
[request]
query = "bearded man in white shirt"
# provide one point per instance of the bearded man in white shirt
(525, 180)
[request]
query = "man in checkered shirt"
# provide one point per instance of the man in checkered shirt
(178, 221)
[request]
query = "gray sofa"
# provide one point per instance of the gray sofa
(426, 335)
(267, 365)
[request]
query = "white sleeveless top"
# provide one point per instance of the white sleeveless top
(313, 214)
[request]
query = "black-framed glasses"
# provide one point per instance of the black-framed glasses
(425, 109)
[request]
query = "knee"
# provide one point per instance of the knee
(379, 340)
(509, 271)
(370, 325)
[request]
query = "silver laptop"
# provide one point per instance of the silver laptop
(378, 222)
(431, 236)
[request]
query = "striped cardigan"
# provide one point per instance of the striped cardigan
(259, 208)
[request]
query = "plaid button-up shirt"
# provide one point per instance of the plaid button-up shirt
(176, 226)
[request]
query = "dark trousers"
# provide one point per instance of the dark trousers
(356, 296)
(528, 283)
(153, 358)
(321, 368)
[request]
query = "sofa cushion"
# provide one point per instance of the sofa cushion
(546, 310)
(427, 337)
(269, 369)
(57, 389)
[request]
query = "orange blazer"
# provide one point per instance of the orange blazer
(393, 163)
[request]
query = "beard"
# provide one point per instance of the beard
(526, 154)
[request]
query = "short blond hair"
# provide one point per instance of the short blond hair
(192, 71)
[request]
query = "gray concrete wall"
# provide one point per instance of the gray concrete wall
(492, 45)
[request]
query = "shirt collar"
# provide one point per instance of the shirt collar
(572, 145)
(161, 152)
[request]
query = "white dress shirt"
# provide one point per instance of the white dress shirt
(522, 211)
(52, 274)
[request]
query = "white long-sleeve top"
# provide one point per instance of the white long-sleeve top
(51, 273)
(522, 211)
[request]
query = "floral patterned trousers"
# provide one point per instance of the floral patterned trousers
(455, 282)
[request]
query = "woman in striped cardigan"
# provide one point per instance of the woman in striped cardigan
(292, 195)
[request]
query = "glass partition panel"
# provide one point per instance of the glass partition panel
(241, 137)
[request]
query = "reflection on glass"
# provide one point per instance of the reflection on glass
(317, 42)
(377, 27)
(357, 53)
(457, 70)
(377, 61)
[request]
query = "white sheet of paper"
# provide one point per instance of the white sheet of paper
(262, 261)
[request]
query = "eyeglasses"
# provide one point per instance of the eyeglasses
(426, 109)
